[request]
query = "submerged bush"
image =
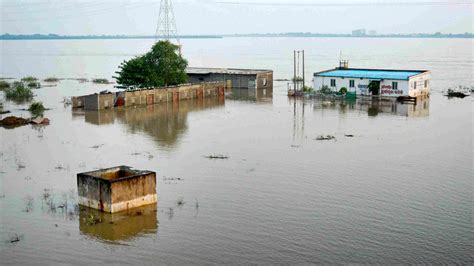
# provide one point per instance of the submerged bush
(100, 81)
(4, 84)
(19, 92)
(343, 90)
(325, 90)
(51, 79)
(36, 109)
(34, 85)
(29, 79)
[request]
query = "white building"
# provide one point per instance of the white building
(392, 83)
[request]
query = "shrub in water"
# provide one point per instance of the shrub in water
(36, 109)
(51, 79)
(29, 79)
(34, 85)
(343, 90)
(19, 92)
(4, 84)
(100, 81)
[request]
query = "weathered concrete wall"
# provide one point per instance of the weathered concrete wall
(77, 102)
(91, 102)
(116, 189)
(183, 92)
(265, 80)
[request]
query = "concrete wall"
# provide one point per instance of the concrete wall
(419, 85)
(77, 102)
(265, 80)
(116, 189)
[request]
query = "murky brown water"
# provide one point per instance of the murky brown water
(398, 191)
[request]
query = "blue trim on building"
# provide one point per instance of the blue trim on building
(377, 74)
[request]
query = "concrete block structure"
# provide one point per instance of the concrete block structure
(116, 189)
(233, 78)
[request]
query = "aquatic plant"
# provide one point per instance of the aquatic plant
(29, 79)
(18, 92)
(100, 81)
(4, 84)
(307, 89)
(51, 79)
(36, 109)
(92, 219)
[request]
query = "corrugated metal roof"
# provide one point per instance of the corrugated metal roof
(370, 73)
(204, 70)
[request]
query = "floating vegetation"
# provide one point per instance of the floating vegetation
(327, 137)
(93, 220)
(100, 81)
(36, 109)
(29, 79)
(51, 80)
(18, 92)
(180, 201)
(4, 84)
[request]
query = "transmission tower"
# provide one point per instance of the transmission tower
(166, 29)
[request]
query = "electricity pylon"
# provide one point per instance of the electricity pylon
(166, 29)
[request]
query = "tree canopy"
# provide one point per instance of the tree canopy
(160, 67)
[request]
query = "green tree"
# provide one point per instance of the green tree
(160, 67)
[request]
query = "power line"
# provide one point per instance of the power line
(344, 4)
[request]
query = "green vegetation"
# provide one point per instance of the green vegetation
(92, 219)
(307, 89)
(160, 67)
(374, 87)
(19, 92)
(33, 85)
(36, 109)
(29, 79)
(325, 90)
(343, 90)
(4, 85)
(51, 79)
(100, 81)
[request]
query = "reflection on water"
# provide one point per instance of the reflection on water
(118, 226)
(164, 122)
(374, 106)
(256, 95)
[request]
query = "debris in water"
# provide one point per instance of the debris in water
(13, 121)
(97, 146)
(14, 239)
(327, 137)
(216, 156)
(180, 202)
(348, 135)
(40, 121)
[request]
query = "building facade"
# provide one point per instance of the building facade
(233, 78)
(387, 82)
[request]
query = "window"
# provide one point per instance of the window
(264, 82)
(394, 85)
(414, 85)
(426, 83)
(333, 83)
(351, 83)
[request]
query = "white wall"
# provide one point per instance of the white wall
(420, 88)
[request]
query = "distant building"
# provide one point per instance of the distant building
(389, 82)
(360, 32)
(372, 32)
(233, 78)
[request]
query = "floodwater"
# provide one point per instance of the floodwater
(398, 191)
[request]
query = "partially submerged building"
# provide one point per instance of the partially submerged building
(387, 82)
(233, 77)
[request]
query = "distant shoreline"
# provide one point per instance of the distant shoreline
(258, 35)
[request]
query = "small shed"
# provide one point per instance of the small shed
(233, 77)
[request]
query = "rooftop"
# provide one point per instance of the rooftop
(205, 71)
(370, 73)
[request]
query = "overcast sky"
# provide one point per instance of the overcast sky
(139, 17)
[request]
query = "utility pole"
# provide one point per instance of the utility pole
(166, 28)
(294, 70)
(303, 70)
